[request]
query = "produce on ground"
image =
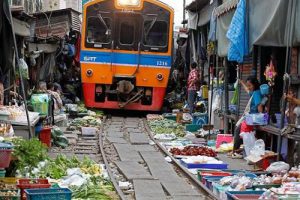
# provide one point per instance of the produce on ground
(87, 121)
(194, 151)
(57, 168)
(4, 186)
(94, 190)
(8, 193)
(28, 154)
(167, 126)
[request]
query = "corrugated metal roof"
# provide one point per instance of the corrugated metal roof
(226, 7)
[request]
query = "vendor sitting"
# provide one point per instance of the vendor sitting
(58, 104)
(252, 87)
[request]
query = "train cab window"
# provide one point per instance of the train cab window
(127, 33)
(98, 31)
(155, 34)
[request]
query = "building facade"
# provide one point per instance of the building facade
(49, 5)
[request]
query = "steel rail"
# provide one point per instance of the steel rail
(110, 173)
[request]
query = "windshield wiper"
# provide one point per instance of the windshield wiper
(102, 20)
(150, 27)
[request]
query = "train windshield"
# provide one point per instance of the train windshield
(99, 30)
(155, 33)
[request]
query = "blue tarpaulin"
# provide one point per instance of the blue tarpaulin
(237, 34)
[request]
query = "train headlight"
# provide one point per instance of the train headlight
(160, 77)
(89, 72)
(134, 3)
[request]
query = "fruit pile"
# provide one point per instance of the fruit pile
(194, 151)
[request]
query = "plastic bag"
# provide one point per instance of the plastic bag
(24, 68)
(248, 140)
(258, 149)
(278, 167)
(217, 102)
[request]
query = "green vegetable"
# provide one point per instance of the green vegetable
(94, 191)
(166, 126)
(29, 154)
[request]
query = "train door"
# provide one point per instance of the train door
(127, 38)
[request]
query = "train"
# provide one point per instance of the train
(126, 54)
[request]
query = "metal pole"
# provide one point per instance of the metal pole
(226, 121)
(20, 73)
(183, 13)
(289, 33)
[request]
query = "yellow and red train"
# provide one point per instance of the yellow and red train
(126, 53)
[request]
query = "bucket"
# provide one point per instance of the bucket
(45, 137)
(204, 89)
(264, 89)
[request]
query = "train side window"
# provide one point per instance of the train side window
(155, 33)
(98, 31)
(127, 33)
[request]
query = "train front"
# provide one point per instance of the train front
(126, 54)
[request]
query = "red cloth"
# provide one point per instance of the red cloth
(246, 128)
(193, 76)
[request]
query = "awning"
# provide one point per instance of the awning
(223, 23)
(21, 28)
(224, 15)
(268, 20)
(205, 13)
(197, 5)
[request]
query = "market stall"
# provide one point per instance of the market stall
(266, 180)
(16, 116)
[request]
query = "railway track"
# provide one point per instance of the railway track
(132, 156)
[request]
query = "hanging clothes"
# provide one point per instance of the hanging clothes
(77, 47)
(213, 27)
(237, 34)
(6, 41)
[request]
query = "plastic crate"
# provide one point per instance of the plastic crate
(204, 166)
(9, 180)
(208, 181)
(266, 186)
(192, 127)
(219, 190)
(16, 197)
(49, 194)
(45, 137)
(202, 175)
(32, 184)
(2, 173)
(243, 195)
(170, 116)
(5, 158)
(200, 119)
